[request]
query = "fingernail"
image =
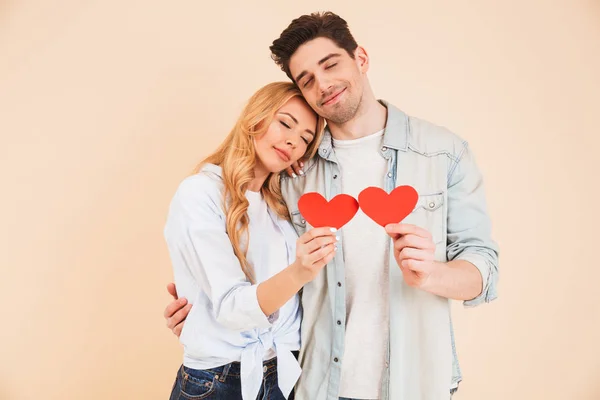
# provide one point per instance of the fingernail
(333, 229)
(301, 164)
(294, 175)
(337, 238)
(301, 172)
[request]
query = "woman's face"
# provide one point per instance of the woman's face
(287, 137)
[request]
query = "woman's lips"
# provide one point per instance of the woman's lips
(283, 155)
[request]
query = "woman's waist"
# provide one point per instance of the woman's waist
(232, 368)
(204, 339)
(215, 344)
(202, 324)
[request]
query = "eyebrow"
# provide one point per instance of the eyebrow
(296, 121)
(290, 115)
(321, 61)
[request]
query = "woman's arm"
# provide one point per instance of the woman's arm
(314, 250)
(201, 251)
(199, 246)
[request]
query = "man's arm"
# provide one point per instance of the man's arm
(414, 251)
(176, 311)
(471, 274)
(469, 229)
(458, 280)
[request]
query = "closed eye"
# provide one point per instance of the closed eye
(307, 82)
(331, 66)
(284, 124)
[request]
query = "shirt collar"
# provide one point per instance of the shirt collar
(395, 135)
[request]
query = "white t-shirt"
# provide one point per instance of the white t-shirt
(268, 254)
(366, 255)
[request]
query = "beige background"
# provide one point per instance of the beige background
(106, 105)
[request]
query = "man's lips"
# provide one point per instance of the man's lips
(333, 97)
(285, 156)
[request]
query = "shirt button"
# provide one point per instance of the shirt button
(335, 177)
(431, 205)
(335, 359)
(339, 284)
(339, 322)
(383, 148)
(303, 221)
(265, 368)
(389, 174)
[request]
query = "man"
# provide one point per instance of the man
(377, 321)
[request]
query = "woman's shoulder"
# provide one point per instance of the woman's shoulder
(204, 186)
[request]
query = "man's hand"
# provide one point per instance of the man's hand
(414, 252)
(176, 311)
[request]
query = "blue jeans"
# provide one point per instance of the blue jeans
(223, 383)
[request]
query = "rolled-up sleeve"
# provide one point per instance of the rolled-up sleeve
(469, 225)
(200, 248)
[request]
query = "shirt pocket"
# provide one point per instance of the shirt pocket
(298, 222)
(429, 214)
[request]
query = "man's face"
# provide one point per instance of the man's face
(330, 80)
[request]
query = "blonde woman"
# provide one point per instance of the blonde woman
(237, 258)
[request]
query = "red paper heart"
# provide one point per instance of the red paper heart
(320, 212)
(386, 208)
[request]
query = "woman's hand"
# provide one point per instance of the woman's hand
(295, 169)
(314, 250)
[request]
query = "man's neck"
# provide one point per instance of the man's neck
(370, 118)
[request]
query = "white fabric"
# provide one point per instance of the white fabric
(365, 249)
(226, 323)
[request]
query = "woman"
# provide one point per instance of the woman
(237, 258)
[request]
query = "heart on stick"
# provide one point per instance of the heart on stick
(319, 212)
(384, 208)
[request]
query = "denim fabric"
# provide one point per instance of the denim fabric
(223, 383)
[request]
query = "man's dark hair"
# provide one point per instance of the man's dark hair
(309, 27)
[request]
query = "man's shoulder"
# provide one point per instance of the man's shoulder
(313, 180)
(430, 139)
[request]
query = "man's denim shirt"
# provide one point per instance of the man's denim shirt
(451, 206)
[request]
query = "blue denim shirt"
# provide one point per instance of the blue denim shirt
(452, 207)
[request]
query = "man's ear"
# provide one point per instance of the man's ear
(362, 59)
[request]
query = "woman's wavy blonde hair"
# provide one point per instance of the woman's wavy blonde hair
(237, 158)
